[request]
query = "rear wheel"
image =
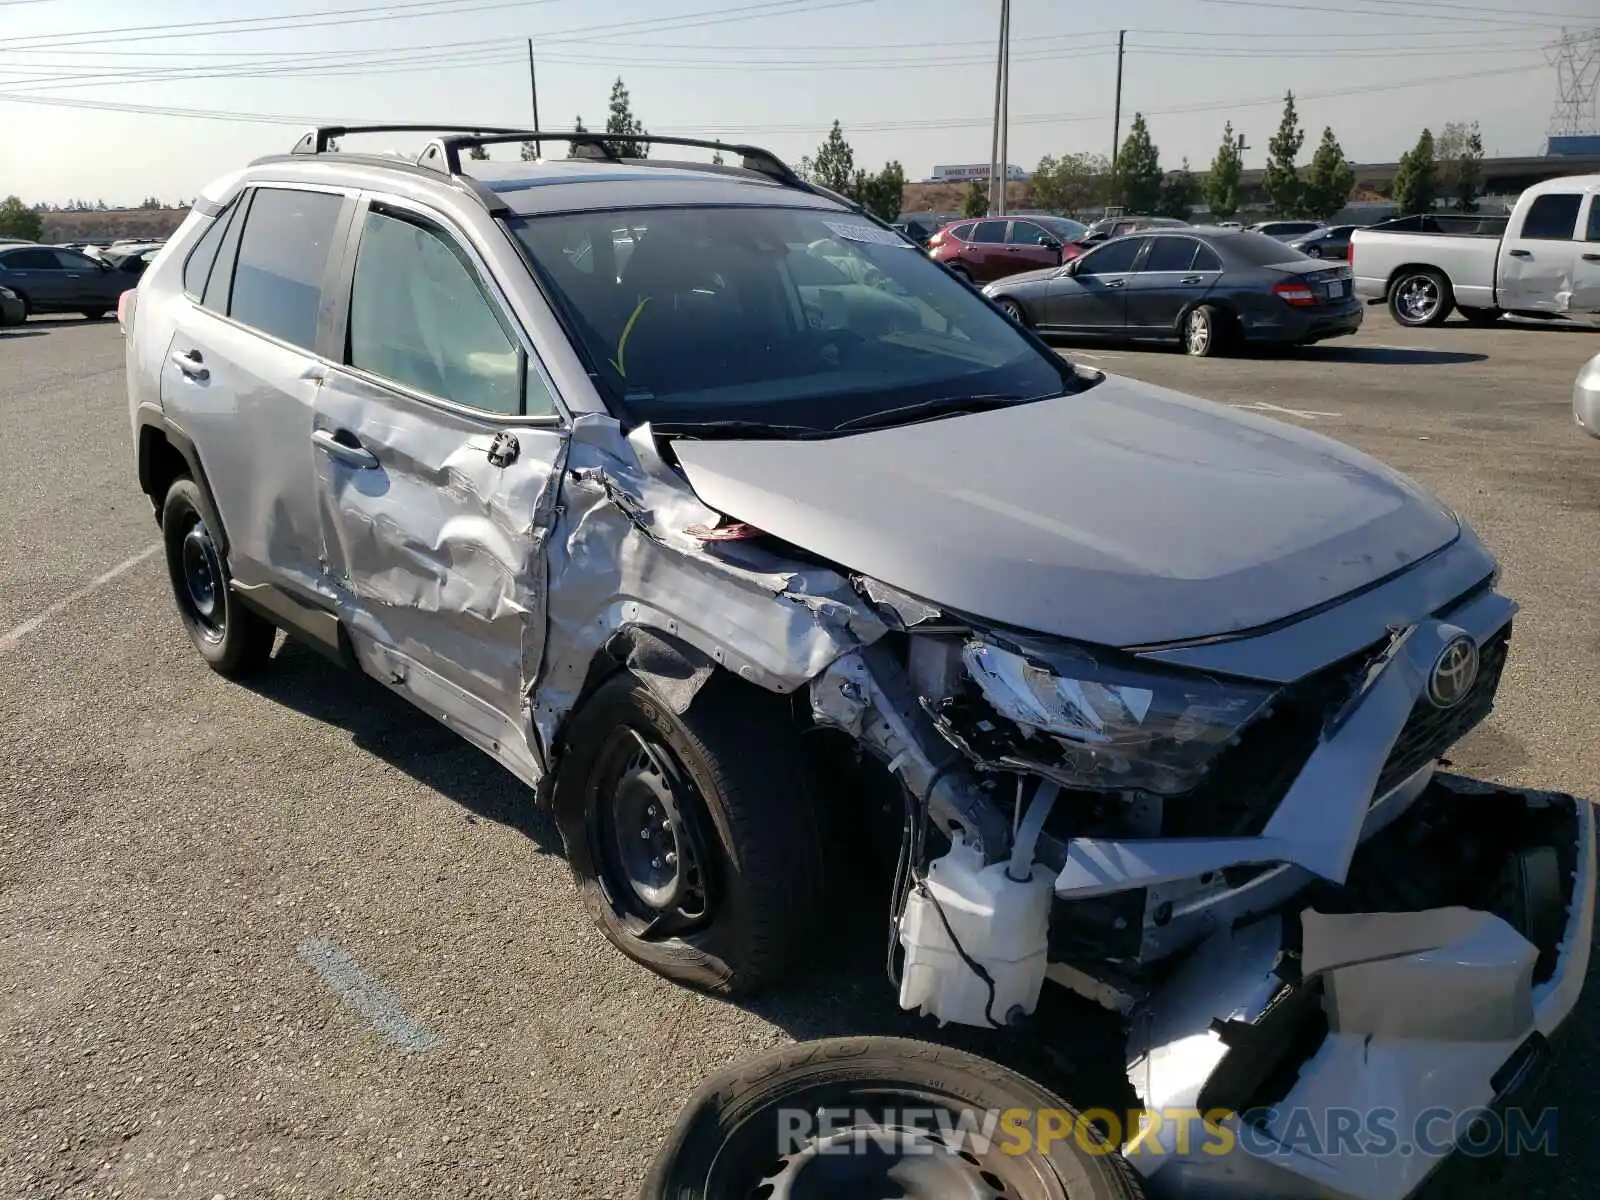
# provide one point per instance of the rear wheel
(1204, 328)
(1420, 297)
(1312, 252)
(848, 1117)
(230, 637)
(94, 314)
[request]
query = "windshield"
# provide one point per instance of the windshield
(782, 316)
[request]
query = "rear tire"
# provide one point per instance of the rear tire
(729, 1141)
(1204, 330)
(94, 314)
(718, 887)
(233, 639)
(1420, 298)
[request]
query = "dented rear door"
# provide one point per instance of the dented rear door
(437, 443)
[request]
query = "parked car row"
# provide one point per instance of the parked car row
(48, 279)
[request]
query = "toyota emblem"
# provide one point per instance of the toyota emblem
(1454, 672)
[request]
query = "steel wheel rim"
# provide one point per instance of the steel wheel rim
(200, 568)
(869, 1154)
(645, 832)
(1199, 332)
(1419, 297)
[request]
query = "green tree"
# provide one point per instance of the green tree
(528, 151)
(577, 127)
(1329, 179)
(717, 160)
(1459, 152)
(834, 165)
(1416, 178)
(478, 153)
(1138, 174)
(17, 220)
(1071, 183)
(620, 120)
(1179, 194)
(1281, 179)
(881, 194)
(1221, 187)
(976, 203)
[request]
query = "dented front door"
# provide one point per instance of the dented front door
(434, 469)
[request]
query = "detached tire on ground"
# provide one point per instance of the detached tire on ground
(750, 1131)
(230, 637)
(693, 838)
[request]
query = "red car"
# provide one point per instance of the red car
(991, 248)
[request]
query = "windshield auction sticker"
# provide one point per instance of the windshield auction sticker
(855, 231)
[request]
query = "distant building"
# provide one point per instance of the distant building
(978, 171)
(1582, 143)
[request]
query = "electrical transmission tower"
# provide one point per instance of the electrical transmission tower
(1577, 61)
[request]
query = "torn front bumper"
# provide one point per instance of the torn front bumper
(1391, 1030)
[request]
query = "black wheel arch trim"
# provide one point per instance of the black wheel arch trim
(153, 424)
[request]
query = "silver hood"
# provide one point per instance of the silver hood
(1125, 515)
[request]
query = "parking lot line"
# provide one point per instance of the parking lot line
(11, 637)
(365, 993)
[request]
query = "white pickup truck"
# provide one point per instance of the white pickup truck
(1545, 264)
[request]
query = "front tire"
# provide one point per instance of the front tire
(749, 1130)
(693, 838)
(232, 639)
(1012, 309)
(1420, 298)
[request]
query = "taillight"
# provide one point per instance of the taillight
(125, 304)
(1298, 293)
(937, 239)
(1350, 252)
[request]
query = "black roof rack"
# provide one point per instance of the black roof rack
(317, 140)
(444, 154)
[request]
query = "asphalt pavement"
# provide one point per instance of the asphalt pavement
(294, 939)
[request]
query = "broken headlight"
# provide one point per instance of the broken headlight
(1111, 725)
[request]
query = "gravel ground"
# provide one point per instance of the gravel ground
(192, 872)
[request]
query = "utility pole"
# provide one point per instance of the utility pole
(1005, 101)
(999, 83)
(1116, 119)
(533, 84)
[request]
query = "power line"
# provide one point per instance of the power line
(495, 52)
(804, 128)
(1383, 8)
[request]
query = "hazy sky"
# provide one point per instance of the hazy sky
(117, 100)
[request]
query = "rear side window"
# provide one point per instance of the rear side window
(1170, 254)
(419, 316)
(989, 231)
(1553, 217)
(1594, 219)
(283, 254)
(32, 260)
(1205, 259)
(197, 267)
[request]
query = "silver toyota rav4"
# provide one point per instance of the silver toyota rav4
(709, 507)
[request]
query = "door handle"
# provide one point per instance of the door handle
(1190, 279)
(351, 452)
(1111, 283)
(191, 364)
(1521, 253)
(1591, 258)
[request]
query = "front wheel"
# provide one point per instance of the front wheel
(872, 1116)
(1012, 309)
(1420, 298)
(230, 637)
(692, 837)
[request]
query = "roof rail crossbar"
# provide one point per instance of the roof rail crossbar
(444, 154)
(316, 141)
